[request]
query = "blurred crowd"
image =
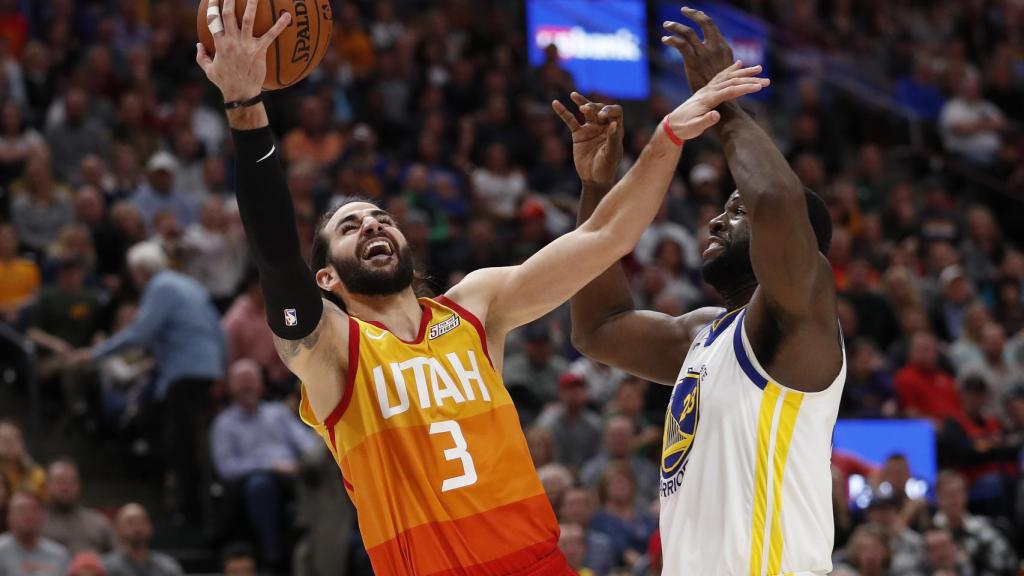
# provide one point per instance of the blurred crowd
(127, 299)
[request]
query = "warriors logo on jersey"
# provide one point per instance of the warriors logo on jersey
(680, 425)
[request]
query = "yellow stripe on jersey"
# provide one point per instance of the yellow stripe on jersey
(764, 432)
(783, 425)
(787, 420)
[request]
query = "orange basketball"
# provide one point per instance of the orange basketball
(297, 51)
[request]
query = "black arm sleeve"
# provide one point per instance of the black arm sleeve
(292, 297)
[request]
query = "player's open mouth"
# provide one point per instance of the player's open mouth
(715, 244)
(379, 249)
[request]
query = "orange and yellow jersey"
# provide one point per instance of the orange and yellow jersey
(433, 456)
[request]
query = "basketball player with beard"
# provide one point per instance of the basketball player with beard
(406, 392)
(746, 482)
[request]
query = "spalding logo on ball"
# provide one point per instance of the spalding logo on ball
(297, 51)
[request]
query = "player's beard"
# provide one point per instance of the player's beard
(359, 278)
(730, 268)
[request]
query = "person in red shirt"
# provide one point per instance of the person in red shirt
(924, 389)
(974, 442)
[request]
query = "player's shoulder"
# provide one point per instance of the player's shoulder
(695, 320)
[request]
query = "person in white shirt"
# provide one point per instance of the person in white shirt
(971, 125)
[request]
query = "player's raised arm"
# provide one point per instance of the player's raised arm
(797, 292)
(307, 330)
(606, 325)
(510, 297)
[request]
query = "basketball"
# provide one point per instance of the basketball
(297, 51)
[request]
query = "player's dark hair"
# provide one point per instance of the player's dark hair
(821, 219)
(322, 244)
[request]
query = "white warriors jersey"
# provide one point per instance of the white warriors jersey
(746, 483)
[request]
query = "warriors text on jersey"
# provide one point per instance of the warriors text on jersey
(746, 483)
(433, 456)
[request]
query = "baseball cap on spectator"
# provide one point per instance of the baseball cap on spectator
(949, 274)
(571, 379)
(162, 160)
(703, 174)
(975, 383)
(531, 209)
(86, 564)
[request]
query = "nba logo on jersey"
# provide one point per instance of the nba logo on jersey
(290, 317)
(680, 429)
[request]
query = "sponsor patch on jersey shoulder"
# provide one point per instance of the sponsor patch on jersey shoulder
(442, 328)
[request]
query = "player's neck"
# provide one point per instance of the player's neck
(401, 312)
(738, 296)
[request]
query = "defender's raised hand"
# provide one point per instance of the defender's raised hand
(698, 113)
(239, 65)
(703, 59)
(597, 143)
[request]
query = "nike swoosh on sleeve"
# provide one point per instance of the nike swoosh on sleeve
(267, 155)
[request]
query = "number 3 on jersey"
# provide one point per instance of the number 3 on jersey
(468, 476)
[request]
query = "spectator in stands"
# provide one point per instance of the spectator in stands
(947, 316)
(133, 556)
(64, 318)
(966, 349)
(625, 522)
(577, 507)
(982, 249)
(239, 560)
(315, 138)
(924, 389)
(160, 192)
(993, 366)
(971, 126)
(620, 446)
(86, 564)
(20, 470)
(43, 207)
(869, 391)
(24, 550)
(877, 320)
(942, 556)
(75, 134)
(866, 554)
(18, 141)
(68, 522)
(905, 545)
(19, 277)
(499, 185)
(256, 448)
(541, 443)
(974, 444)
(179, 323)
(532, 375)
(1010, 304)
(249, 336)
(556, 480)
(574, 425)
(215, 252)
(987, 549)
(573, 544)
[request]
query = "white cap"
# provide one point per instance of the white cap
(702, 174)
(162, 160)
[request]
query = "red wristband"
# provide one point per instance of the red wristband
(671, 135)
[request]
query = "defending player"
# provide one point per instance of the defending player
(746, 484)
(407, 392)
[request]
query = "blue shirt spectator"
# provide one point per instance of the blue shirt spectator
(161, 195)
(177, 322)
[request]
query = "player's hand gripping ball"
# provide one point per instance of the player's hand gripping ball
(296, 52)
